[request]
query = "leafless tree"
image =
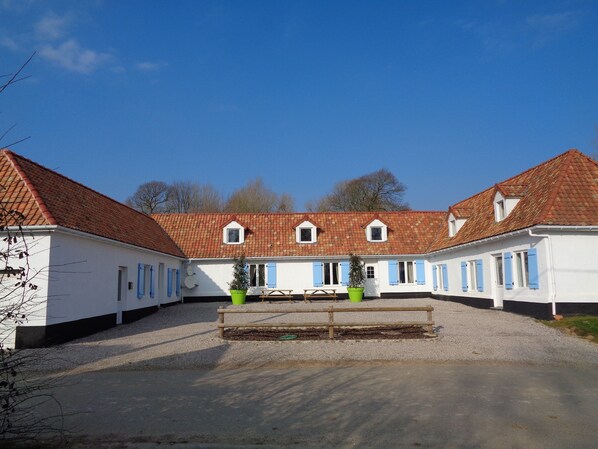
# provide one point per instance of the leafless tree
(256, 197)
(377, 191)
(150, 197)
(186, 196)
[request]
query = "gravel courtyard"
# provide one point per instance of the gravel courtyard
(185, 336)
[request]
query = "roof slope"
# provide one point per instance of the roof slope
(273, 235)
(560, 191)
(45, 197)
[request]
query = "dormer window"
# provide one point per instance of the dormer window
(233, 233)
(376, 231)
(500, 210)
(306, 232)
(452, 228)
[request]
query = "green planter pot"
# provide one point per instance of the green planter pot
(238, 296)
(355, 294)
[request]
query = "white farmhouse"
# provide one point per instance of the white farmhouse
(527, 245)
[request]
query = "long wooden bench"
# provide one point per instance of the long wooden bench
(276, 293)
(317, 293)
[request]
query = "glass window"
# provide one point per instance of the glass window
(500, 210)
(376, 233)
(369, 272)
(452, 228)
(498, 267)
(331, 274)
(473, 281)
(257, 275)
(522, 269)
(406, 273)
(305, 235)
(233, 235)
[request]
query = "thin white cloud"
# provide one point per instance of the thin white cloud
(71, 56)
(16, 5)
(554, 22)
(52, 26)
(9, 43)
(148, 66)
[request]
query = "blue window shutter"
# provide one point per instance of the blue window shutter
(345, 273)
(445, 277)
(508, 257)
(393, 272)
(271, 275)
(169, 282)
(152, 282)
(140, 280)
(464, 276)
(178, 282)
(420, 272)
(434, 278)
(479, 273)
(532, 266)
(317, 267)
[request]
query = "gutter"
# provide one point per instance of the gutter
(552, 284)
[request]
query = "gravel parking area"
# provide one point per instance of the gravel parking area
(185, 336)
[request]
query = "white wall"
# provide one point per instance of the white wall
(34, 306)
(485, 251)
(83, 279)
(575, 261)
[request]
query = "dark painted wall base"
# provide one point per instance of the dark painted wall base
(478, 303)
(168, 304)
(406, 295)
(577, 308)
(40, 336)
(535, 310)
(133, 315)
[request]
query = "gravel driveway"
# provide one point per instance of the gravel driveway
(185, 336)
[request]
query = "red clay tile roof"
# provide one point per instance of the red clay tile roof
(272, 235)
(48, 198)
(561, 191)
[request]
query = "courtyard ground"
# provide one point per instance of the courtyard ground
(490, 380)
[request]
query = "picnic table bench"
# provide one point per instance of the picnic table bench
(309, 293)
(276, 293)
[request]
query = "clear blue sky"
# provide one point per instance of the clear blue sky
(449, 96)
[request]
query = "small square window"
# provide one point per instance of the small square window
(376, 233)
(370, 274)
(305, 235)
(233, 236)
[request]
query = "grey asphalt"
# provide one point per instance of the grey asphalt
(374, 405)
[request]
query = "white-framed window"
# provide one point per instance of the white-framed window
(306, 232)
(521, 269)
(370, 273)
(472, 276)
(406, 272)
(376, 231)
(257, 275)
(331, 273)
(439, 278)
(500, 210)
(498, 269)
(233, 234)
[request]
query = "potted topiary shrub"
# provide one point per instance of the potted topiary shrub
(356, 278)
(240, 282)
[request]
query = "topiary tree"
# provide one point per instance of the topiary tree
(240, 277)
(356, 271)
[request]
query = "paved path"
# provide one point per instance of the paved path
(384, 405)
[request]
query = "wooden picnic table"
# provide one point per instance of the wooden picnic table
(319, 293)
(276, 293)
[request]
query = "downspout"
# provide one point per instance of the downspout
(550, 270)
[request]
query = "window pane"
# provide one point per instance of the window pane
(305, 234)
(526, 270)
(252, 279)
(376, 233)
(262, 274)
(499, 270)
(326, 273)
(410, 272)
(370, 272)
(233, 236)
(519, 270)
(401, 272)
(335, 273)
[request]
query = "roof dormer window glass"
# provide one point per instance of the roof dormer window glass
(452, 228)
(376, 233)
(233, 233)
(500, 210)
(305, 235)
